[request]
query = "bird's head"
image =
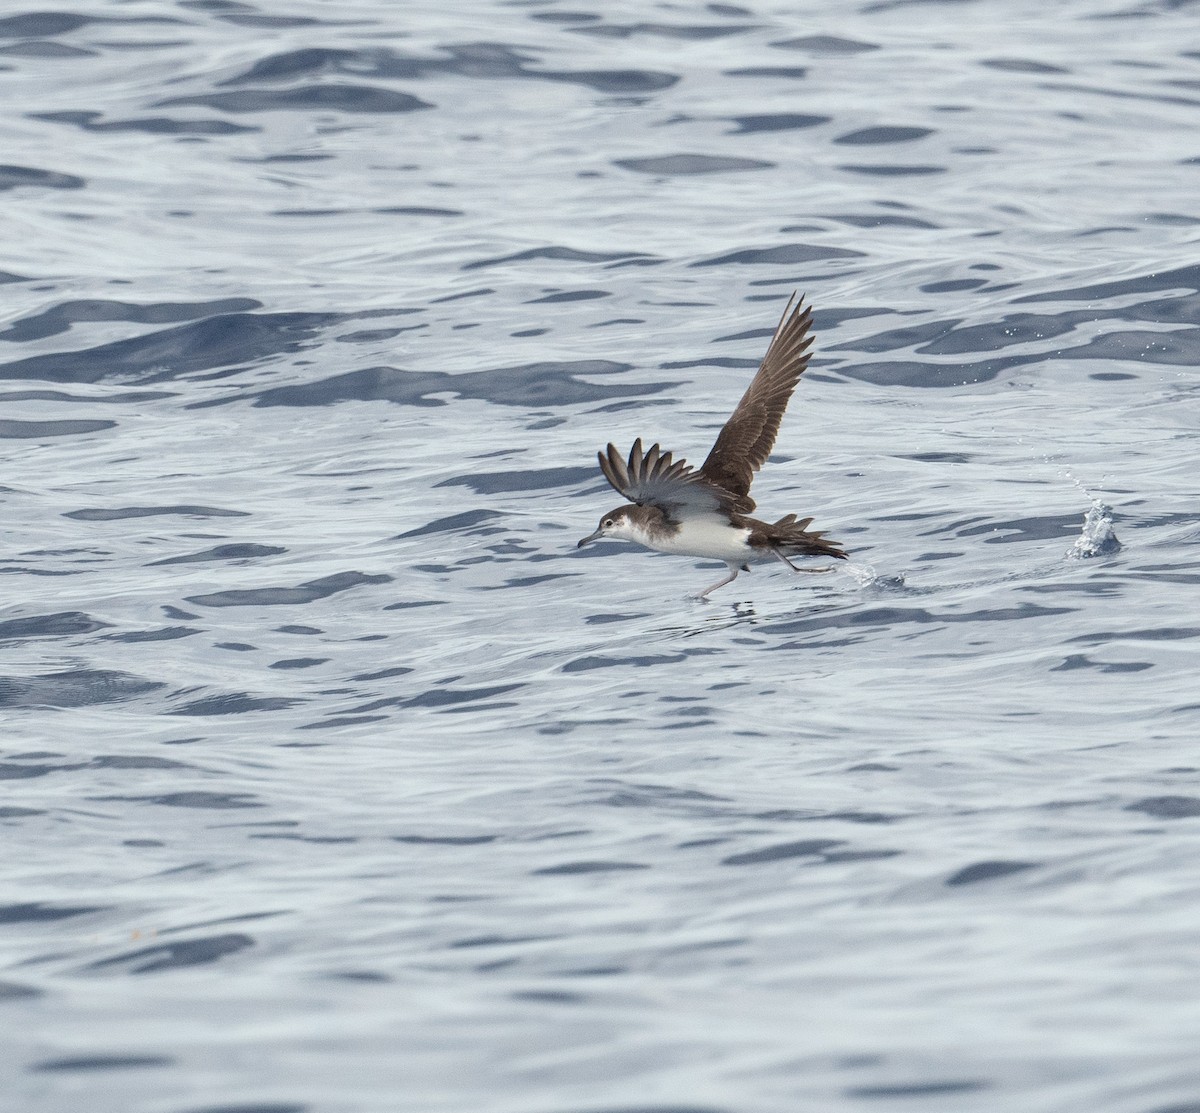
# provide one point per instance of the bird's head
(620, 523)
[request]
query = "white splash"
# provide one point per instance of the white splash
(1097, 537)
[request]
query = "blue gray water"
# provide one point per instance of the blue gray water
(337, 781)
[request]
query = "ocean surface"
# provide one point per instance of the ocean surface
(336, 780)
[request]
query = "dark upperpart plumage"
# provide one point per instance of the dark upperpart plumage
(742, 446)
(746, 439)
(668, 494)
(791, 536)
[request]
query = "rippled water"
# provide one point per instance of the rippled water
(337, 780)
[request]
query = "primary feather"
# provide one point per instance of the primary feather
(746, 439)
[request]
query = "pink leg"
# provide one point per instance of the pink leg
(810, 571)
(733, 574)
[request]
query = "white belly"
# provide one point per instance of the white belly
(708, 537)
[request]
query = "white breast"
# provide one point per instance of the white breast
(707, 536)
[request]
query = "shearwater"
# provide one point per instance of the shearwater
(673, 508)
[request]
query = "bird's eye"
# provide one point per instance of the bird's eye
(608, 523)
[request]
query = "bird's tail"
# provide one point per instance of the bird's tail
(793, 538)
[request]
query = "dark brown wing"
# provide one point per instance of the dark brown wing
(654, 478)
(745, 442)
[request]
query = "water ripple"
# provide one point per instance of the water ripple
(335, 775)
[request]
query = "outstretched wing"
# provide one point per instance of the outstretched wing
(654, 478)
(745, 441)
